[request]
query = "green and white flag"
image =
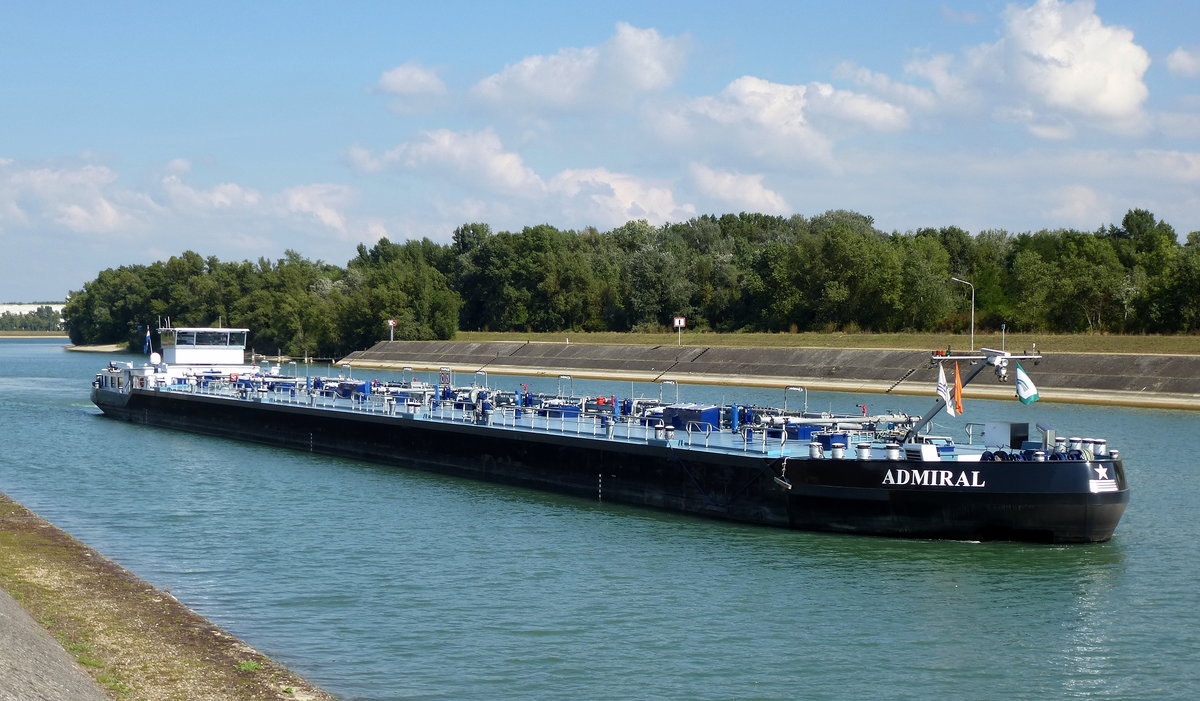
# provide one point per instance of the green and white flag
(1026, 391)
(943, 390)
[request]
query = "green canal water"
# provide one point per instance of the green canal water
(384, 583)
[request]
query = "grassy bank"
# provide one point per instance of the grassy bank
(136, 641)
(1048, 343)
(34, 334)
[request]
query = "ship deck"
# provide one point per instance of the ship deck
(538, 420)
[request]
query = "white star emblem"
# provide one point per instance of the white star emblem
(1101, 472)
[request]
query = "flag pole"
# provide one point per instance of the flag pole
(991, 357)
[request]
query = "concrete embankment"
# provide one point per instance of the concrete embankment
(127, 638)
(33, 666)
(1167, 381)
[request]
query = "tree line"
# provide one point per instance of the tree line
(44, 318)
(730, 273)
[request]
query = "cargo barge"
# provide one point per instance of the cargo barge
(792, 468)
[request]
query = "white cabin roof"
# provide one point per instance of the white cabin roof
(200, 328)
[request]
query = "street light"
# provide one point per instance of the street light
(972, 310)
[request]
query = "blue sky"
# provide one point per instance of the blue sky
(130, 132)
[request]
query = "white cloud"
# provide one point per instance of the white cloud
(410, 79)
(750, 117)
(843, 106)
(1080, 207)
(322, 202)
(222, 196)
(957, 82)
(911, 95)
(632, 62)
(744, 192)
(1179, 166)
(84, 199)
(476, 158)
(1066, 58)
(97, 216)
(642, 59)
(774, 123)
(1184, 62)
(479, 162)
(1049, 127)
(415, 87)
(604, 198)
(1057, 64)
(179, 166)
(86, 203)
(53, 180)
(362, 160)
(1045, 130)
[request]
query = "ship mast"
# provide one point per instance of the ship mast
(997, 359)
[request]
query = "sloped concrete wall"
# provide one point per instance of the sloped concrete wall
(874, 369)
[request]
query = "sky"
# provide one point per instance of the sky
(134, 131)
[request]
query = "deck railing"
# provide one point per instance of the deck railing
(571, 421)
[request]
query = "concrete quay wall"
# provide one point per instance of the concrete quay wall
(1171, 381)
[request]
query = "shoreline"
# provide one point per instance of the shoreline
(130, 639)
(108, 348)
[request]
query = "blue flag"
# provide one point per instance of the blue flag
(146, 345)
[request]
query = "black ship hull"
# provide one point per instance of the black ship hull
(1042, 502)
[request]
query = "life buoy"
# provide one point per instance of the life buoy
(233, 377)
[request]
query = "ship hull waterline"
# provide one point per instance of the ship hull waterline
(1036, 502)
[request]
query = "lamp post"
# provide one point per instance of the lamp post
(972, 310)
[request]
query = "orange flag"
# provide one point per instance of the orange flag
(957, 390)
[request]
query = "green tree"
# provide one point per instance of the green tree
(400, 282)
(925, 275)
